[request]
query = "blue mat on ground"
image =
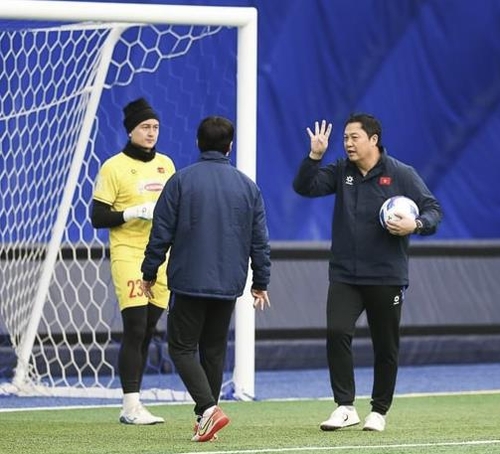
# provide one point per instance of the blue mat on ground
(314, 383)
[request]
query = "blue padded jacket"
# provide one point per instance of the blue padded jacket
(212, 218)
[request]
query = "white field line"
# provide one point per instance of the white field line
(292, 399)
(355, 447)
(397, 396)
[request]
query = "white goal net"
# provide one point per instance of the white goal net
(57, 306)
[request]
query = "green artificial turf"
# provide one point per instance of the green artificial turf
(465, 423)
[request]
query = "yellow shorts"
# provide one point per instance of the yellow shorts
(127, 278)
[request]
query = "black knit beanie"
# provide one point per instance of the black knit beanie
(136, 112)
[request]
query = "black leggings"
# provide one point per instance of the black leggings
(139, 324)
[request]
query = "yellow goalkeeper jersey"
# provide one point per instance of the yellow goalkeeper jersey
(124, 182)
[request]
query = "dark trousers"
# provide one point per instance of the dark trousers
(197, 341)
(382, 304)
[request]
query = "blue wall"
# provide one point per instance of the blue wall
(429, 69)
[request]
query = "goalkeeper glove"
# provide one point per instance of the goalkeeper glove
(144, 211)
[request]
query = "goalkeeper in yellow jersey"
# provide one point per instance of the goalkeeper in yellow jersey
(127, 188)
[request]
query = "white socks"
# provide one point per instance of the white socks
(130, 401)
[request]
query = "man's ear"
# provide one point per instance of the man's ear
(230, 147)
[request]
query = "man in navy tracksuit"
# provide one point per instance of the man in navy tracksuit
(212, 219)
(368, 268)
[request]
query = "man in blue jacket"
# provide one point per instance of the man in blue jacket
(211, 218)
(368, 267)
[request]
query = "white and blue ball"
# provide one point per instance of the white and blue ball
(397, 203)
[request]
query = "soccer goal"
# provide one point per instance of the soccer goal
(61, 64)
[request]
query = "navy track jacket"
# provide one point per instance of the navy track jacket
(211, 217)
(362, 251)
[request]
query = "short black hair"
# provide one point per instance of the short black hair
(369, 123)
(215, 134)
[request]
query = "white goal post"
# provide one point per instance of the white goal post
(23, 304)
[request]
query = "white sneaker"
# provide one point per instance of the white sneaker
(342, 417)
(374, 421)
(139, 416)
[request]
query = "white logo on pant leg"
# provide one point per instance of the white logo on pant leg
(396, 300)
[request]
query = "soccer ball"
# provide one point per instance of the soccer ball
(397, 203)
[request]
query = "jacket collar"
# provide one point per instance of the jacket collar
(214, 156)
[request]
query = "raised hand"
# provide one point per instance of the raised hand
(319, 139)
